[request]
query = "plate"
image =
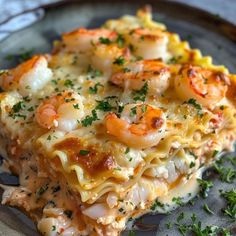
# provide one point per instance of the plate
(211, 34)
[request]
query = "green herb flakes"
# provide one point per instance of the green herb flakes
(88, 120)
(205, 186)
(94, 90)
(119, 61)
(104, 40)
(207, 209)
(84, 152)
(140, 95)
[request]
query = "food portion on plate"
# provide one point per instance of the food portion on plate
(115, 123)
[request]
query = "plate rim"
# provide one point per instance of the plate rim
(224, 26)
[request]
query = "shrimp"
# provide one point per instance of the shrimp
(83, 40)
(140, 126)
(206, 86)
(60, 111)
(135, 75)
(29, 77)
(105, 55)
(148, 43)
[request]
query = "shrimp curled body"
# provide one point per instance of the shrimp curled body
(29, 77)
(149, 44)
(140, 126)
(83, 40)
(206, 86)
(154, 72)
(60, 111)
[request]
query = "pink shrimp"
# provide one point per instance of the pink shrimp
(60, 111)
(207, 86)
(82, 40)
(140, 126)
(136, 74)
(28, 77)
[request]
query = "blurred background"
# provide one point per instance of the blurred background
(224, 8)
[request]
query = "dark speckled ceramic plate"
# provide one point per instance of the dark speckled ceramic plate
(212, 35)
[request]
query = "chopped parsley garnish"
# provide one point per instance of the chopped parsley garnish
(18, 106)
(222, 107)
(76, 106)
(25, 55)
(180, 217)
(53, 228)
(30, 109)
(26, 99)
(93, 90)
(192, 164)
(178, 201)
(69, 99)
(120, 41)
(131, 48)
(227, 174)
(140, 95)
(54, 81)
(232, 159)
(119, 61)
(139, 58)
(18, 115)
(215, 153)
(68, 83)
(172, 60)
(142, 37)
(88, 120)
(131, 233)
(120, 107)
(126, 70)
(133, 111)
(93, 72)
(104, 40)
(143, 108)
(207, 209)
(193, 102)
(104, 105)
(182, 228)
(20, 57)
(117, 168)
(121, 209)
(230, 197)
(193, 154)
(169, 225)
(156, 205)
(127, 150)
(205, 186)
(195, 228)
(84, 152)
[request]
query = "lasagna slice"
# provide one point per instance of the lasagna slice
(115, 123)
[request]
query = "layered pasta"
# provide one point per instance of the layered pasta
(115, 123)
